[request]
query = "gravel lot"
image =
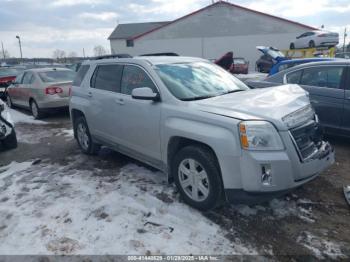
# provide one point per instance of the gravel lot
(55, 200)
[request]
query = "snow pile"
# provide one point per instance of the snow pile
(42, 133)
(19, 117)
(322, 249)
(54, 209)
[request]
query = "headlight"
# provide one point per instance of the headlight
(259, 135)
(299, 116)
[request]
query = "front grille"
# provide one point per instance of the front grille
(307, 139)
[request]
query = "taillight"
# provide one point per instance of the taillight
(52, 90)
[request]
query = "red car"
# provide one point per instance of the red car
(239, 66)
(7, 75)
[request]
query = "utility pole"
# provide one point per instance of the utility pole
(20, 47)
(345, 35)
(84, 52)
(3, 50)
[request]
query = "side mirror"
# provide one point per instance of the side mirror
(144, 93)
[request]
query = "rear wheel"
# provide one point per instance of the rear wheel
(36, 111)
(10, 142)
(197, 176)
(312, 44)
(84, 138)
(292, 46)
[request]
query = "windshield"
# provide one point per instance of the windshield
(57, 76)
(275, 53)
(199, 80)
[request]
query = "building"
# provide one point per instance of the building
(209, 33)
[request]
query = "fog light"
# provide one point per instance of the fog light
(266, 175)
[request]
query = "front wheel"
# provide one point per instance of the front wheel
(84, 138)
(312, 44)
(197, 176)
(292, 46)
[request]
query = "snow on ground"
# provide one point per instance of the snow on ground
(280, 208)
(53, 209)
(322, 249)
(19, 117)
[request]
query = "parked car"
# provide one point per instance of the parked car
(75, 67)
(7, 75)
(201, 126)
(345, 55)
(240, 66)
(271, 56)
(285, 64)
(328, 84)
(314, 39)
(8, 137)
(41, 90)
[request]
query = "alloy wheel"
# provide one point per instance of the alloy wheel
(193, 179)
(83, 136)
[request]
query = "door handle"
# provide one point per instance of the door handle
(89, 94)
(120, 101)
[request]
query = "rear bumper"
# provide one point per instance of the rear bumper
(54, 101)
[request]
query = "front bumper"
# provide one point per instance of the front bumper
(287, 171)
(5, 128)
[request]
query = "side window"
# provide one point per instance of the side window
(107, 77)
(329, 77)
(294, 77)
(80, 75)
(134, 77)
(27, 78)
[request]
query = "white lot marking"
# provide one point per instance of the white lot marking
(323, 249)
(54, 209)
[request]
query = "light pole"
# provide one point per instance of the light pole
(20, 46)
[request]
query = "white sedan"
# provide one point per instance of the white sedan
(314, 39)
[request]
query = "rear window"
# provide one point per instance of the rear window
(80, 75)
(57, 76)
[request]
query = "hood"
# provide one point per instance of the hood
(270, 104)
(272, 52)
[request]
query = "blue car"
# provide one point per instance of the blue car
(285, 64)
(274, 61)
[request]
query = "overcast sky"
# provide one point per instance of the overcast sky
(71, 25)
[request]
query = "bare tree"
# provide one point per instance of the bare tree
(58, 54)
(4, 55)
(99, 50)
(73, 54)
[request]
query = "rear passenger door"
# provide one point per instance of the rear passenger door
(24, 92)
(104, 108)
(140, 119)
(325, 85)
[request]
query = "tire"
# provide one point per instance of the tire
(10, 142)
(9, 101)
(193, 160)
(292, 46)
(312, 44)
(36, 111)
(83, 137)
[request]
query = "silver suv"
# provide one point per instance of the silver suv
(205, 129)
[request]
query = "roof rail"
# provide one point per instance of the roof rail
(112, 56)
(161, 54)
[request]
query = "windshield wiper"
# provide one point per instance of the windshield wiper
(197, 98)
